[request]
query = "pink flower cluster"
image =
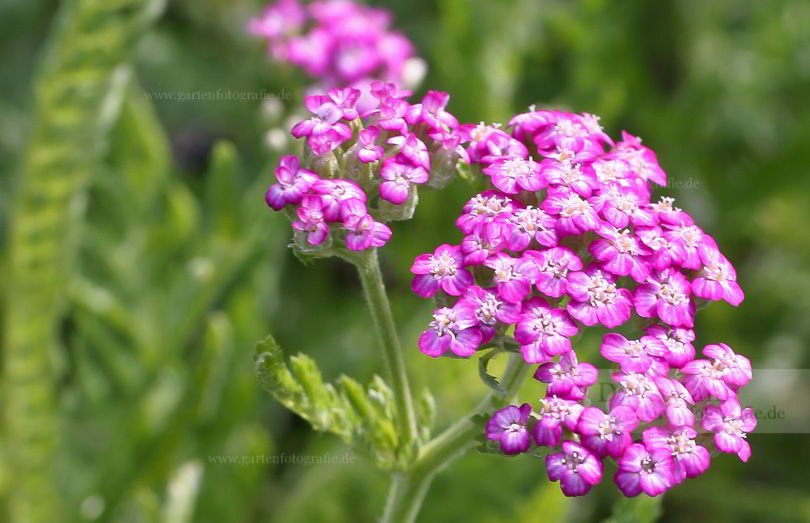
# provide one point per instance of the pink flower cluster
(363, 167)
(568, 237)
(338, 42)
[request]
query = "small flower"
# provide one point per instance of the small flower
(510, 175)
(555, 413)
(488, 310)
(486, 240)
(568, 175)
(553, 267)
(399, 174)
(334, 193)
(640, 469)
(631, 355)
(666, 295)
(508, 427)
(345, 100)
(293, 183)
(483, 208)
(391, 115)
(665, 253)
(620, 253)
(730, 423)
(442, 269)
(597, 299)
(513, 276)
(543, 331)
(607, 434)
(574, 214)
(691, 459)
(639, 392)
(451, 329)
(575, 468)
(368, 151)
(431, 112)
(667, 212)
(531, 224)
(364, 232)
(690, 238)
(717, 279)
(678, 400)
(678, 342)
(567, 379)
(311, 220)
(412, 148)
(735, 368)
(326, 116)
(627, 207)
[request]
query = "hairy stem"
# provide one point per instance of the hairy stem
(408, 489)
(368, 268)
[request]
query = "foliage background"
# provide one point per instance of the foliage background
(182, 269)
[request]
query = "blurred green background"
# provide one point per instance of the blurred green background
(180, 268)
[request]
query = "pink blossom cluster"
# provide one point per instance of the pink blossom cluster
(568, 236)
(338, 42)
(363, 167)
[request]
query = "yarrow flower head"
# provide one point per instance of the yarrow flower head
(566, 236)
(339, 43)
(353, 178)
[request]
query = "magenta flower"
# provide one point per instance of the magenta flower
(364, 232)
(607, 434)
(326, 116)
(412, 148)
(730, 424)
(691, 459)
(483, 208)
(628, 207)
(568, 175)
(453, 330)
(553, 267)
(735, 368)
(567, 379)
(311, 220)
(513, 276)
(575, 468)
(431, 112)
(508, 427)
(704, 379)
(543, 331)
(574, 214)
(665, 253)
(285, 16)
(555, 413)
(631, 355)
(678, 400)
(334, 193)
(690, 238)
(485, 241)
(717, 279)
(678, 342)
(510, 175)
(528, 225)
(499, 145)
(640, 469)
(642, 160)
(293, 183)
(640, 393)
(488, 309)
(367, 149)
(666, 295)
(392, 115)
(597, 299)
(399, 174)
(442, 269)
(667, 212)
(345, 99)
(620, 253)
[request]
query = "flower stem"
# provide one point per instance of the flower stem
(368, 268)
(408, 489)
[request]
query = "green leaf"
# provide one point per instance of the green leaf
(489, 380)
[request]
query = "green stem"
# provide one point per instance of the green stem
(408, 489)
(368, 268)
